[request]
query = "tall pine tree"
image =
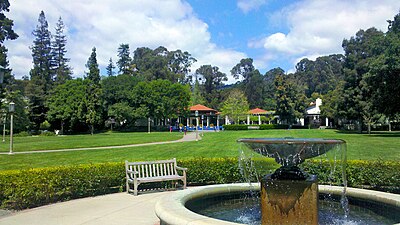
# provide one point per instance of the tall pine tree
(124, 62)
(93, 92)
(6, 33)
(61, 70)
(110, 68)
(41, 73)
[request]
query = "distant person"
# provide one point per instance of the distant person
(185, 129)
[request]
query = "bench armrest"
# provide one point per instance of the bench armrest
(181, 168)
(132, 172)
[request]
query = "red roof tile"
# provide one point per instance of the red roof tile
(201, 108)
(258, 111)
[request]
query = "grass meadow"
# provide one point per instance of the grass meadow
(377, 146)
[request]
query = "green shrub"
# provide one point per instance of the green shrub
(47, 133)
(236, 127)
(20, 189)
(377, 175)
(273, 126)
(22, 134)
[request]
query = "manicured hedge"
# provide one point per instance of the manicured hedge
(261, 127)
(235, 127)
(35, 187)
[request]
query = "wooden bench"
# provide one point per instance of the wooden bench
(152, 171)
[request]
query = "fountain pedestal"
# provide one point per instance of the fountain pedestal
(285, 201)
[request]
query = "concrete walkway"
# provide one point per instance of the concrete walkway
(118, 209)
(190, 136)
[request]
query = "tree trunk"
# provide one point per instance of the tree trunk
(91, 129)
(369, 128)
(390, 126)
(62, 127)
(360, 123)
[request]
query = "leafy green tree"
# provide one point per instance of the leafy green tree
(269, 87)
(12, 94)
(179, 64)
(320, 76)
(212, 82)
(118, 89)
(291, 101)
(93, 113)
(252, 83)
(6, 33)
(196, 96)
(66, 104)
(163, 64)
(124, 59)
(61, 69)
(359, 52)
(384, 75)
(235, 105)
(162, 99)
(110, 68)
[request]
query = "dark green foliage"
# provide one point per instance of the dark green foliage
(260, 127)
(236, 127)
(377, 175)
(6, 33)
(291, 101)
(212, 81)
(35, 187)
(66, 104)
(320, 76)
(41, 74)
(124, 59)
(163, 64)
(110, 68)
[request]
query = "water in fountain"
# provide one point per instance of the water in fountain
(289, 191)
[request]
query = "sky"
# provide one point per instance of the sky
(274, 33)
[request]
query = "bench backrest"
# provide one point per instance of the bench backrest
(159, 168)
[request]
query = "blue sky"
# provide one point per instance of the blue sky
(217, 32)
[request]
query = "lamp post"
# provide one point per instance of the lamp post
(4, 126)
(11, 110)
(196, 113)
(202, 126)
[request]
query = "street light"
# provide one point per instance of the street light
(196, 113)
(11, 110)
(4, 125)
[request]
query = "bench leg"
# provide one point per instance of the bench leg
(127, 186)
(135, 187)
(184, 182)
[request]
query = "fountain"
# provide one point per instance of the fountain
(288, 196)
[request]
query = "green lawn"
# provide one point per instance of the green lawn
(385, 146)
(32, 143)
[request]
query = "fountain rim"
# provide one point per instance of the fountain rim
(171, 208)
(291, 141)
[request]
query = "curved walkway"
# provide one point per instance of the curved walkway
(112, 209)
(190, 136)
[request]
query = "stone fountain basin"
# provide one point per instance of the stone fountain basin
(171, 209)
(290, 151)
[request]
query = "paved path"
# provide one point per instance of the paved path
(190, 136)
(118, 209)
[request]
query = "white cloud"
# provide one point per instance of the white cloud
(318, 27)
(106, 24)
(248, 5)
